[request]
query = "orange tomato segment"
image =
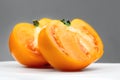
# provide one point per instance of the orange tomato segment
(70, 47)
(24, 47)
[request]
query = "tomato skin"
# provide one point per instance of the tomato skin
(20, 52)
(58, 58)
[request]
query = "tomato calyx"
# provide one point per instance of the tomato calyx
(68, 23)
(36, 23)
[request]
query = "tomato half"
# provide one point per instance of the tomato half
(23, 44)
(72, 47)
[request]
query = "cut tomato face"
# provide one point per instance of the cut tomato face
(23, 44)
(70, 47)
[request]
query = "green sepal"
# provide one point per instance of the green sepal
(35, 23)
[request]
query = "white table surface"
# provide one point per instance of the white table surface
(11, 70)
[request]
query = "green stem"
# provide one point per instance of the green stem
(66, 22)
(35, 23)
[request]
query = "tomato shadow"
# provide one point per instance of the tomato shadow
(87, 69)
(90, 69)
(46, 66)
(49, 68)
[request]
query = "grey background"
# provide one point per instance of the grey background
(103, 15)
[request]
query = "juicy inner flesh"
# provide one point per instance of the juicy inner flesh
(29, 38)
(34, 44)
(36, 33)
(73, 41)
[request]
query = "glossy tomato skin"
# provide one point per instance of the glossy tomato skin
(61, 60)
(19, 50)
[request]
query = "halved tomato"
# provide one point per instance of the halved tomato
(70, 47)
(23, 43)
